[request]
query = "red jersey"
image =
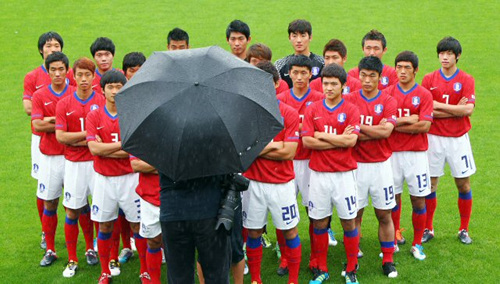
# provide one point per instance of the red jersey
(372, 111)
(282, 87)
(71, 113)
(45, 101)
(300, 105)
(319, 117)
(102, 123)
(388, 77)
(351, 85)
(273, 171)
(417, 101)
(450, 91)
(148, 187)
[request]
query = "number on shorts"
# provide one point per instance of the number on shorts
(289, 213)
(466, 161)
(446, 98)
(351, 201)
(389, 193)
(422, 181)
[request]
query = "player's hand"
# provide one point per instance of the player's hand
(318, 135)
(382, 121)
(348, 130)
(50, 119)
(98, 139)
(413, 118)
(463, 101)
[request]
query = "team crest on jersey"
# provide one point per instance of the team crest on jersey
(379, 109)
(94, 107)
(341, 117)
(41, 187)
(384, 81)
(457, 87)
(415, 101)
(95, 209)
(346, 90)
(67, 196)
(315, 71)
(35, 168)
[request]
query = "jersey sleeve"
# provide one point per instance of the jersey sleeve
(393, 79)
(308, 122)
(469, 90)
(61, 123)
(426, 82)
(291, 126)
(91, 122)
(37, 108)
(391, 110)
(426, 107)
(353, 73)
(29, 87)
(316, 85)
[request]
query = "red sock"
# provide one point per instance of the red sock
(104, 244)
(115, 243)
(281, 243)
(153, 260)
(320, 248)
(293, 251)
(254, 254)
(244, 233)
(142, 245)
(396, 216)
(387, 249)
(71, 236)
(124, 230)
(49, 226)
(312, 258)
(465, 209)
(40, 207)
(418, 219)
(430, 204)
(87, 229)
(351, 243)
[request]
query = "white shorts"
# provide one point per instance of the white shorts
(414, 168)
(35, 155)
(375, 180)
(78, 179)
(111, 193)
(278, 198)
(456, 151)
(302, 176)
(50, 177)
(150, 220)
(337, 189)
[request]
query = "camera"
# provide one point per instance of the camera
(232, 186)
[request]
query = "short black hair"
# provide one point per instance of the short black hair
(300, 61)
(48, 36)
(408, 56)
(372, 63)
(112, 76)
(238, 27)
(133, 59)
(269, 68)
(57, 56)
(336, 45)
(178, 35)
(334, 70)
(300, 26)
(374, 35)
(449, 43)
(102, 43)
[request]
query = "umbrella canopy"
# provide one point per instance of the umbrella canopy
(198, 112)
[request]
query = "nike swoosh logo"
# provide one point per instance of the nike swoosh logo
(350, 213)
(38, 87)
(316, 118)
(47, 103)
(288, 223)
(432, 88)
(463, 172)
(387, 203)
(100, 127)
(422, 190)
(285, 75)
(69, 113)
(94, 86)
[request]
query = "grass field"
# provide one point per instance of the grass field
(143, 26)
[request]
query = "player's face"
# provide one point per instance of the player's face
(334, 57)
(300, 76)
(84, 78)
(332, 88)
(50, 47)
(448, 59)
(177, 45)
(374, 48)
(300, 41)
(369, 80)
(406, 72)
(110, 91)
(104, 60)
(57, 72)
(130, 72)
(238, 43)
(255, 60)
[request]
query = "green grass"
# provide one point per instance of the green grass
(143, 25)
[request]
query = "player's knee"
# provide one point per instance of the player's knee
(155, 243)
(290, 234)
(463, 184)
(106, 227)
(255, 233)
(320, 224)
(135, 227)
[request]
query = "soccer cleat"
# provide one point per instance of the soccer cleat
(125, 255)
(245, 270)
(114, 267)
(145, 278)
(70, 269)
(345, 267)
(351, 278)
(43, 243)
(104, 279)
(360, 253)
(319, 277)
(418, 252)
(266, 242)
(428, 235)
(48, 258)
(463, 236)
(132, 244)
(390, 270)
(331, 240)
(95, 245)
(399, 237)
(282, 270)
(91, 256)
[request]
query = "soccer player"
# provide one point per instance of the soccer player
(43, 115)
(71, 113)
(331, 128)
(272, 189)
(238, 37)
(177, 39)
(374, 44)
(114, 181)
(409, 144)
(132, 62)
(260, 52)
(300, 96)
(336, 52)
(453, 92)
(299, 35)
(103, 52)
(372, 152)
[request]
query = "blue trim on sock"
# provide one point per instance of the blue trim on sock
(351, 234)
(254, 243)
(421, 211)
(465, 196)
(71, 221)
(49, 213)
(320, 231)
(137, 236)
(120, 212)
(104, 236)
(432, 195)
(396, 208)
(293, 243)
(157, 250)
(387, 244)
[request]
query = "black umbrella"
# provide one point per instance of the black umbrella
(198, 112)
